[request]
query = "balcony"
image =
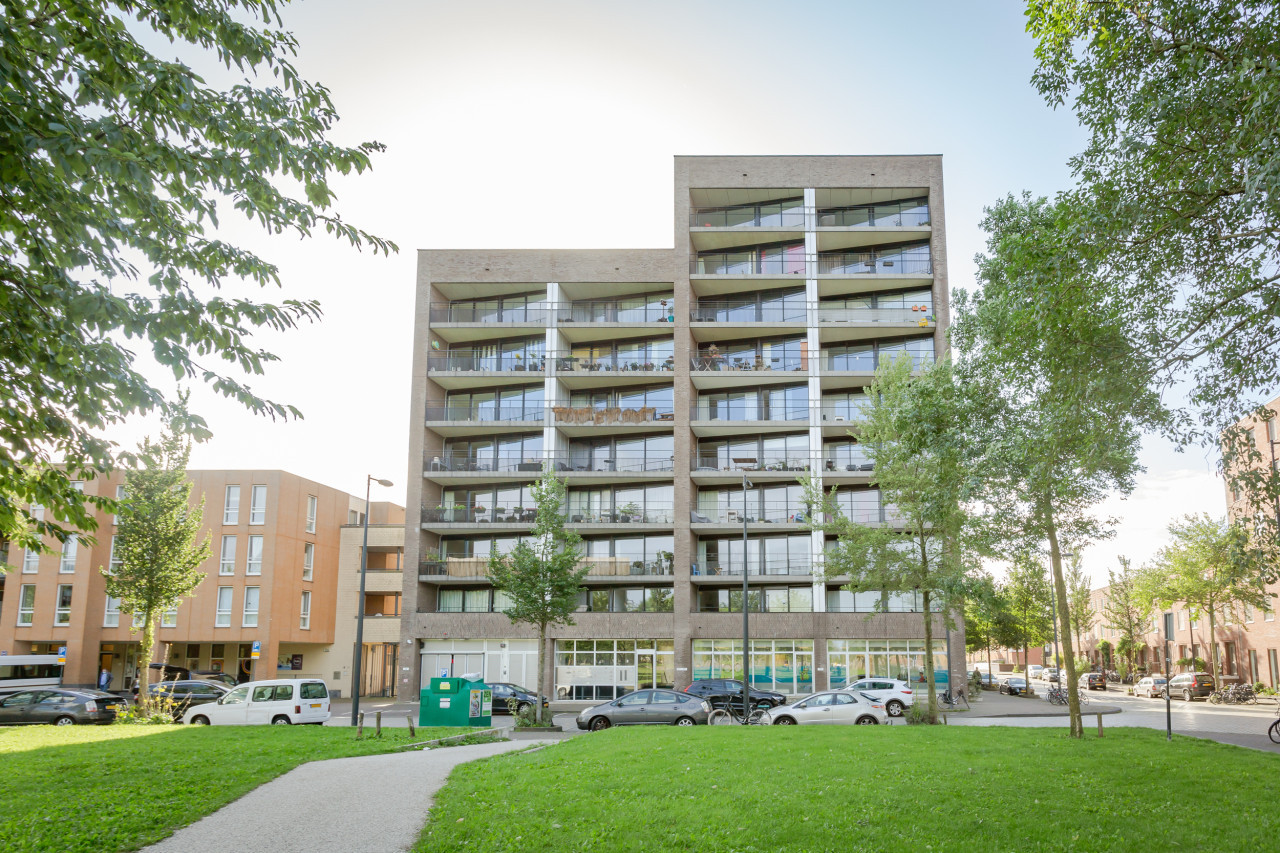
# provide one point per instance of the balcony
(460, 514)
(728, 311)
(769, 569)
(747, 412)
(891, 215)
(759, 364)
(768, 216)
(873, 263)
(536, 314)
(768, 512)
(752, 263)
(445, 465)
(649, 514)
(486, 414)
(485, 361)
(564, 416)
(915, 315)
(598, 568)
(621, 311)
(866, 360)
(618, 363)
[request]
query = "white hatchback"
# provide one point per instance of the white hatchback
(282, 702)
(830, 709)
(896, 696)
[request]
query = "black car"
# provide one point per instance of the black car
(726, 691)
(1014, 685)
(181, 695)
(504, 691)
(1095, 681)
(59, 707)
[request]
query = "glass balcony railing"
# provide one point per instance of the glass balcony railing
(765, 216)
(711, 311)
(480, 461)
(758, 567)
(617, 311)
(460, 514)
(601, 460)
(734, 411)
(608, 416)
(648, 310)
(876, 216)
(873, 263)
(920, 315)
(650, 513)
(484, 414)
(486, 361)
(748, 263)
(613, 363)
(728, 363)
(767, 512)
(868, 361)
(437, 569)
(489, 312)
(832, 463)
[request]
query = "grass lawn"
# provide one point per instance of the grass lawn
(855, 788)
(110, 788)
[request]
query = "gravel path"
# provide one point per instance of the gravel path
(370, 804)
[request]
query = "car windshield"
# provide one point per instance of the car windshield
(516, 688)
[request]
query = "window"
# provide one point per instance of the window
(258, 505)
(115, 519)
(231, 509)
(308, 560)
(227, 565)
(250, 607)
(311, 513)
(313, 690)
(30, 562)
(137, 620)
(253, 563)
(306, 610)
(26, 604)
(223, 617)
(69, 549)
(1182, 620)
(1248, 613)
(1268, 615)
(265, 693)
(62, 611)
(169, 618)
(111, 619)
(114, 565)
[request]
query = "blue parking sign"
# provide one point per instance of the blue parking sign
(62, 654)
(257, 649)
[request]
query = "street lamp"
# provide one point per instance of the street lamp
(746, 652)
(364, 568)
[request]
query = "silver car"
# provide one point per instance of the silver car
(832, 708)
(647, 708)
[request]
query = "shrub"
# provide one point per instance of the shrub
(918, 715)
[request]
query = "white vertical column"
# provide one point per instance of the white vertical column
(554, 392)
(814, 348)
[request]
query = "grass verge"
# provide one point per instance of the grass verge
(733, 789)
(109, 788)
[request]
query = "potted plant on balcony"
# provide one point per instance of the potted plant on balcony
(519, 362)
(498, 513)
(459, 512)
(628, 511)
(479, 513)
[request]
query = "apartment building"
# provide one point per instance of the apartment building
(680, 393)
(272, 578)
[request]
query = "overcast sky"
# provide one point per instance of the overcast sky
(554, 124)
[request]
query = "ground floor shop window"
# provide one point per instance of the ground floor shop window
(782, 665)
(904, 660)
(588, 670)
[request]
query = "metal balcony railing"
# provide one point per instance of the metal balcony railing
(583, 460)
(437, 569)
(464, 461)
(650, 513)
(790, 462)
(867, 362)
(489, 312)
(619, 311)
(757, 567)
(761, 216)
(618, 363)
(707, 363)
(763, 512)
(872, 263)
(732, 411)
(748, 263)
(544, 313)
(921, 315)
(479, 514)
(875, 216)
(486, 361)
(713, 311)
(485, 414)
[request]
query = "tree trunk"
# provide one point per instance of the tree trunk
(1064, 619)
(1213, 649)
(144, 661)
(928, 656)
(542, 651)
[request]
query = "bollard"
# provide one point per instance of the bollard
(360, 725)
(1099, 725)
(410, 718)
(377, 724)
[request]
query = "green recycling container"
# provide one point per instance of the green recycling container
(456, 702)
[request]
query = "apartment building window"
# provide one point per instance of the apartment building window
(231, 507)
(1274, 665)
(766, 555)
(62, 610)
(67, 565)
(789, 354)
(37, 512)
(115, 563)
(659, 398)
(651, 453)
(227, 563)
(470, 601)
(653, 599)
(308, 560)
(115, 519)
(776, 504)
(250, 607)
(1248, 613)
(786, 403)
(779, 599)
(312, 503)
(258, 505)
(768, 306)
(648, 354)
(1268, 615)
(30, 561)
(499, 453)
(253, 561)
(222, 619)
(138, 619)
(305, 621)
(26, 604)
(111, 618)
(516, 404)
(169, 618)
(1182, 620)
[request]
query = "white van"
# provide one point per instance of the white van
(280, 702)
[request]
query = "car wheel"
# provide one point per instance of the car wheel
(868, 721)
(1186, 695)
(599, 724)
(520, 708)
(199, 721)
(764, 704)
(65, 721)
(685, 721)
(894, 708)
(281, 720)
(784, 721)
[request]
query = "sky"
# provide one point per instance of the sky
(554, 125)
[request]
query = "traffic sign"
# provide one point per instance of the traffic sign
(257, 650)
(62, 654)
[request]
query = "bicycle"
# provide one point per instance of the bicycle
(724, 714)
(1057, 696)
(1274, 731)
(952, 701)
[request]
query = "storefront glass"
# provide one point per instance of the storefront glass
(904, 660)
(590, 670)
(782, 665)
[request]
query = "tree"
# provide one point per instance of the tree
(1211, 566)
(911, 432)
(1104, 650)
(541, 576)
(988, 621)
(1027, 592)
(1179, 193)
(1061, 416)
(116, 167)
(1127, 610)
(155, 548)
(1080, 596)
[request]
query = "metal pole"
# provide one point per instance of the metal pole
(746, 651)
(364, 567)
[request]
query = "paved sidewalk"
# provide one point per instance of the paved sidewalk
(369, 804)
(993, 704)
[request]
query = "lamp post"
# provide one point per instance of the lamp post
(746, 650)
(364, 568)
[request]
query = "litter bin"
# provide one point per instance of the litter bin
(456, 702)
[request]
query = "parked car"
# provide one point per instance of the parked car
(1035, 670)
(183, 695)
(731, 690)
(281, 702)
(1051, 675)
(896, 696)
(59, 707)
(988, 681)
(1014, 685)
(647, 707)
(1095, 681)
(1152, 687)
(834, 707)
(162, 672)
(1190, 685)
(504, 691)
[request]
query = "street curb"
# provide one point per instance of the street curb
(444, 741)
(1083, 713)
